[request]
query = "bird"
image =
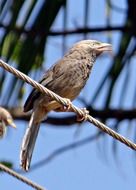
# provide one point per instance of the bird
(5, 120)
(66, 78)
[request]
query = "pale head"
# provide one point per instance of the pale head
(93, 45)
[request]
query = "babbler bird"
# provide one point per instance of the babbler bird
(5, 120)
(66, 78)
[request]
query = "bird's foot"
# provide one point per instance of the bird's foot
(84, 116)
(66, 107)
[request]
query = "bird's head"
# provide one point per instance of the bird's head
(6, 118)
(93, 46)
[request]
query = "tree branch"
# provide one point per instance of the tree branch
(89, 30)
(83, 30)
(105, 114)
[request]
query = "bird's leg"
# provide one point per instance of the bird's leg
(66, 107)
(84, 116)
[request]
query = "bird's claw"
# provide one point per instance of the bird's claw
(67, 107)
(84, 116)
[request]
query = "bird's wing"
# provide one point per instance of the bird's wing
(53, 73)
(35, 93)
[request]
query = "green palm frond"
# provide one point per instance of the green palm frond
(25, 43)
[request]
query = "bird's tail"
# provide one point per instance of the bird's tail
(28, 143)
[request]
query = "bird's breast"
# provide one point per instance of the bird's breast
(74, 80)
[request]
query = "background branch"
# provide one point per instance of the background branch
(78, 30)
(118, 114)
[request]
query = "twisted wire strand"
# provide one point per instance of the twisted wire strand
(20, 177)
(111, 132)
(64, 102)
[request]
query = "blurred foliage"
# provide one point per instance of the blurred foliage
(23, 38)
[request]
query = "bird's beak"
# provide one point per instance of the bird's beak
(104, 47)
(11, 123)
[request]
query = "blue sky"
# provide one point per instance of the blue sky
(93, 165)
